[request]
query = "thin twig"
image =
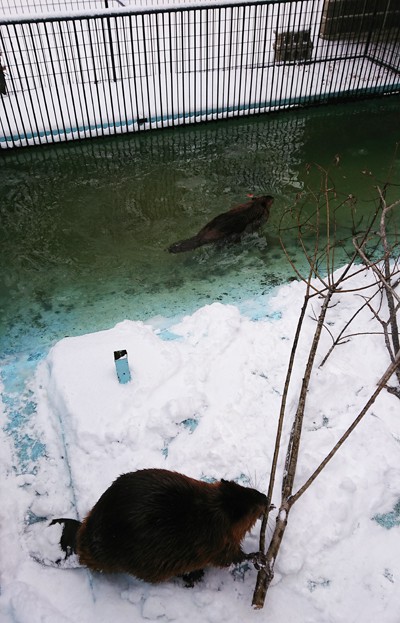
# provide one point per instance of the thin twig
(380, 385)
(281, 419)
(339, 339)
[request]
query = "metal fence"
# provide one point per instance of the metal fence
(66, 77)
(11, 7)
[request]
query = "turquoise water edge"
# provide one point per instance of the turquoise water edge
(85, 226)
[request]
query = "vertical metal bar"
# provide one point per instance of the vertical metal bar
(30, 53)
(73, 63)
(125, 76)
(6, 133)
(66, 106)
(152, 55)
(389, 53)
(103, 116)
(357, 66)
(207, 70)
(169, 83)
(122, 81)
(247, 64)
(28, 88)
(69, 94)
(298, 65)
(367, 63)
(304, 46)
(83, 89)
(92, 51)
(110, 43)
(214, 81)
(95, 80)
(218, 48)
(294, 28)
(234, 55)
(394, 46)
(135, 80)
(229, 60)
(45, 53)
(369, 36)
(177, 15)
(171, 69)
(334, 54)
(111, 124)
(375, 69)
(261, 97)
(352, 71)
(185, 63)
(157, 17)
(100, 47)
(203, 72)
(192, 64)
(259, 69)
(183, 110)
(60, 110)
(246, 68)
(238, 103)
(10, 79)
(287, 94)
(197, 70)
(253, 22)
(71, 59)
(277, 68)
(115, 90)
(281, 99)
(3, 86)
(324, 53)
(316, 49)
(189, 66)
(146, 70)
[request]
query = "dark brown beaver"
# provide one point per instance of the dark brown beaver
(229, 225)
(156, 524)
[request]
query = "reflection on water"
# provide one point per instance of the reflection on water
(85, 227)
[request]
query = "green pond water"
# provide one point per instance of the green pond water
(85, 227)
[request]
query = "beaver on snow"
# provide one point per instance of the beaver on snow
(229, 225)
(157, 524)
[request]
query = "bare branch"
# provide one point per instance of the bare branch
(380, 385)
(385, 278)
(340, 338)
(282, 416)
(266, 575)
(326, 288)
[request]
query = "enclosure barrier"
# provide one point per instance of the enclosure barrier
(66, 77)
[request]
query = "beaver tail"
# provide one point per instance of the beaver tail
(185, 245)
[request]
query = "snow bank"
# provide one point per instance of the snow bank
(204, 400)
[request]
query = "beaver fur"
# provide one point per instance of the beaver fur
(156, 524)
(229, 225)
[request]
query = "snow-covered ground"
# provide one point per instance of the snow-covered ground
(203, 400)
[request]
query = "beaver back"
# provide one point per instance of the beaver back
(156, 524)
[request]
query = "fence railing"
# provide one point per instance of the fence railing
(11, 7)
(66, 77)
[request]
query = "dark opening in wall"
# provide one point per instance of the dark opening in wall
(292, 46)
(344, 19)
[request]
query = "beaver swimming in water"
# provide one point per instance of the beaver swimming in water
(229, 225)
(156, 524)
